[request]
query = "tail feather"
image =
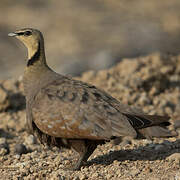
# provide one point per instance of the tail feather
(148, 126)
(144, 121)
(155, 131)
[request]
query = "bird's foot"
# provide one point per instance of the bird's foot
(78, 166)
(74, 166)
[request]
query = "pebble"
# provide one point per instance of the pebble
(134, 172)
(3, 143)
(95, 175)
(159, 147)
(174, 157)
(3, 151)
(20, 149)
(4, 148)
(144, 99)
(17, 156)
(82, 176)
(30, 140)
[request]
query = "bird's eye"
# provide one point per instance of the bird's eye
(27, 33)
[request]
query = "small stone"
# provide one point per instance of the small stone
(174, 157)
(144, 99)
(153, 178)
(147, 141)
(95, 175)
(76, 178)
(152, 92)
(82, 176)
(4, 148)
(109, 176)
(17, 156)
(3, 143)
(31, 170)
(30, 140)
(134, 172)
(60, 177)
(159, 147)
(20, 149)
(125, 142)
(165, 69)
(3, 151)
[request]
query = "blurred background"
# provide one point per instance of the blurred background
(93, 34)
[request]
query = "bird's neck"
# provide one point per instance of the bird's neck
(36, 55)
(37, 68)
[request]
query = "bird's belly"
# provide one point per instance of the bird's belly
(58, 128)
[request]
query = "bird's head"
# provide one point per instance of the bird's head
(31, 38)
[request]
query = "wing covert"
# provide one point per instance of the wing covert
(73, 110)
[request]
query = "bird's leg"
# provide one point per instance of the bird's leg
(85, 148)
(84, 157)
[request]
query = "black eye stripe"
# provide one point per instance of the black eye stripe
(20, 33)
(26, 33)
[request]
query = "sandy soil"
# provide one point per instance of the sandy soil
(151, 83)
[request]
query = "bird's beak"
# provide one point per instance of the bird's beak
(12, 34)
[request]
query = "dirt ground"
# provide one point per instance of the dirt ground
(151, 83)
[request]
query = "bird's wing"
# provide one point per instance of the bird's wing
(72, 109)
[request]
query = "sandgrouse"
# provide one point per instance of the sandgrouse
(68, 113)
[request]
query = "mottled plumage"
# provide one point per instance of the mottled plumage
(68, 113)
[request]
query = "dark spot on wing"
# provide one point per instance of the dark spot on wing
(97, 95)
(97, 128)
(62, 94)
(110, 110)
(50, 96)
(72, 96)
(109, 98)
(85, 120)
(58, 82)
(95, 106)
(111, 113)
(92, 86)
(106, 106)
(85, 123)
(85, 97)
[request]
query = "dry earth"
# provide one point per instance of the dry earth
(151, 83)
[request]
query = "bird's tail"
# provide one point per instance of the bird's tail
(155, 131)
(149, 126)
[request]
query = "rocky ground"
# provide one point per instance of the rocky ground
(151, 83)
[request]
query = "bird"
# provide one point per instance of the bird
(68, 113)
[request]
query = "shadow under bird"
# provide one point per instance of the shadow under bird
(68, 113)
